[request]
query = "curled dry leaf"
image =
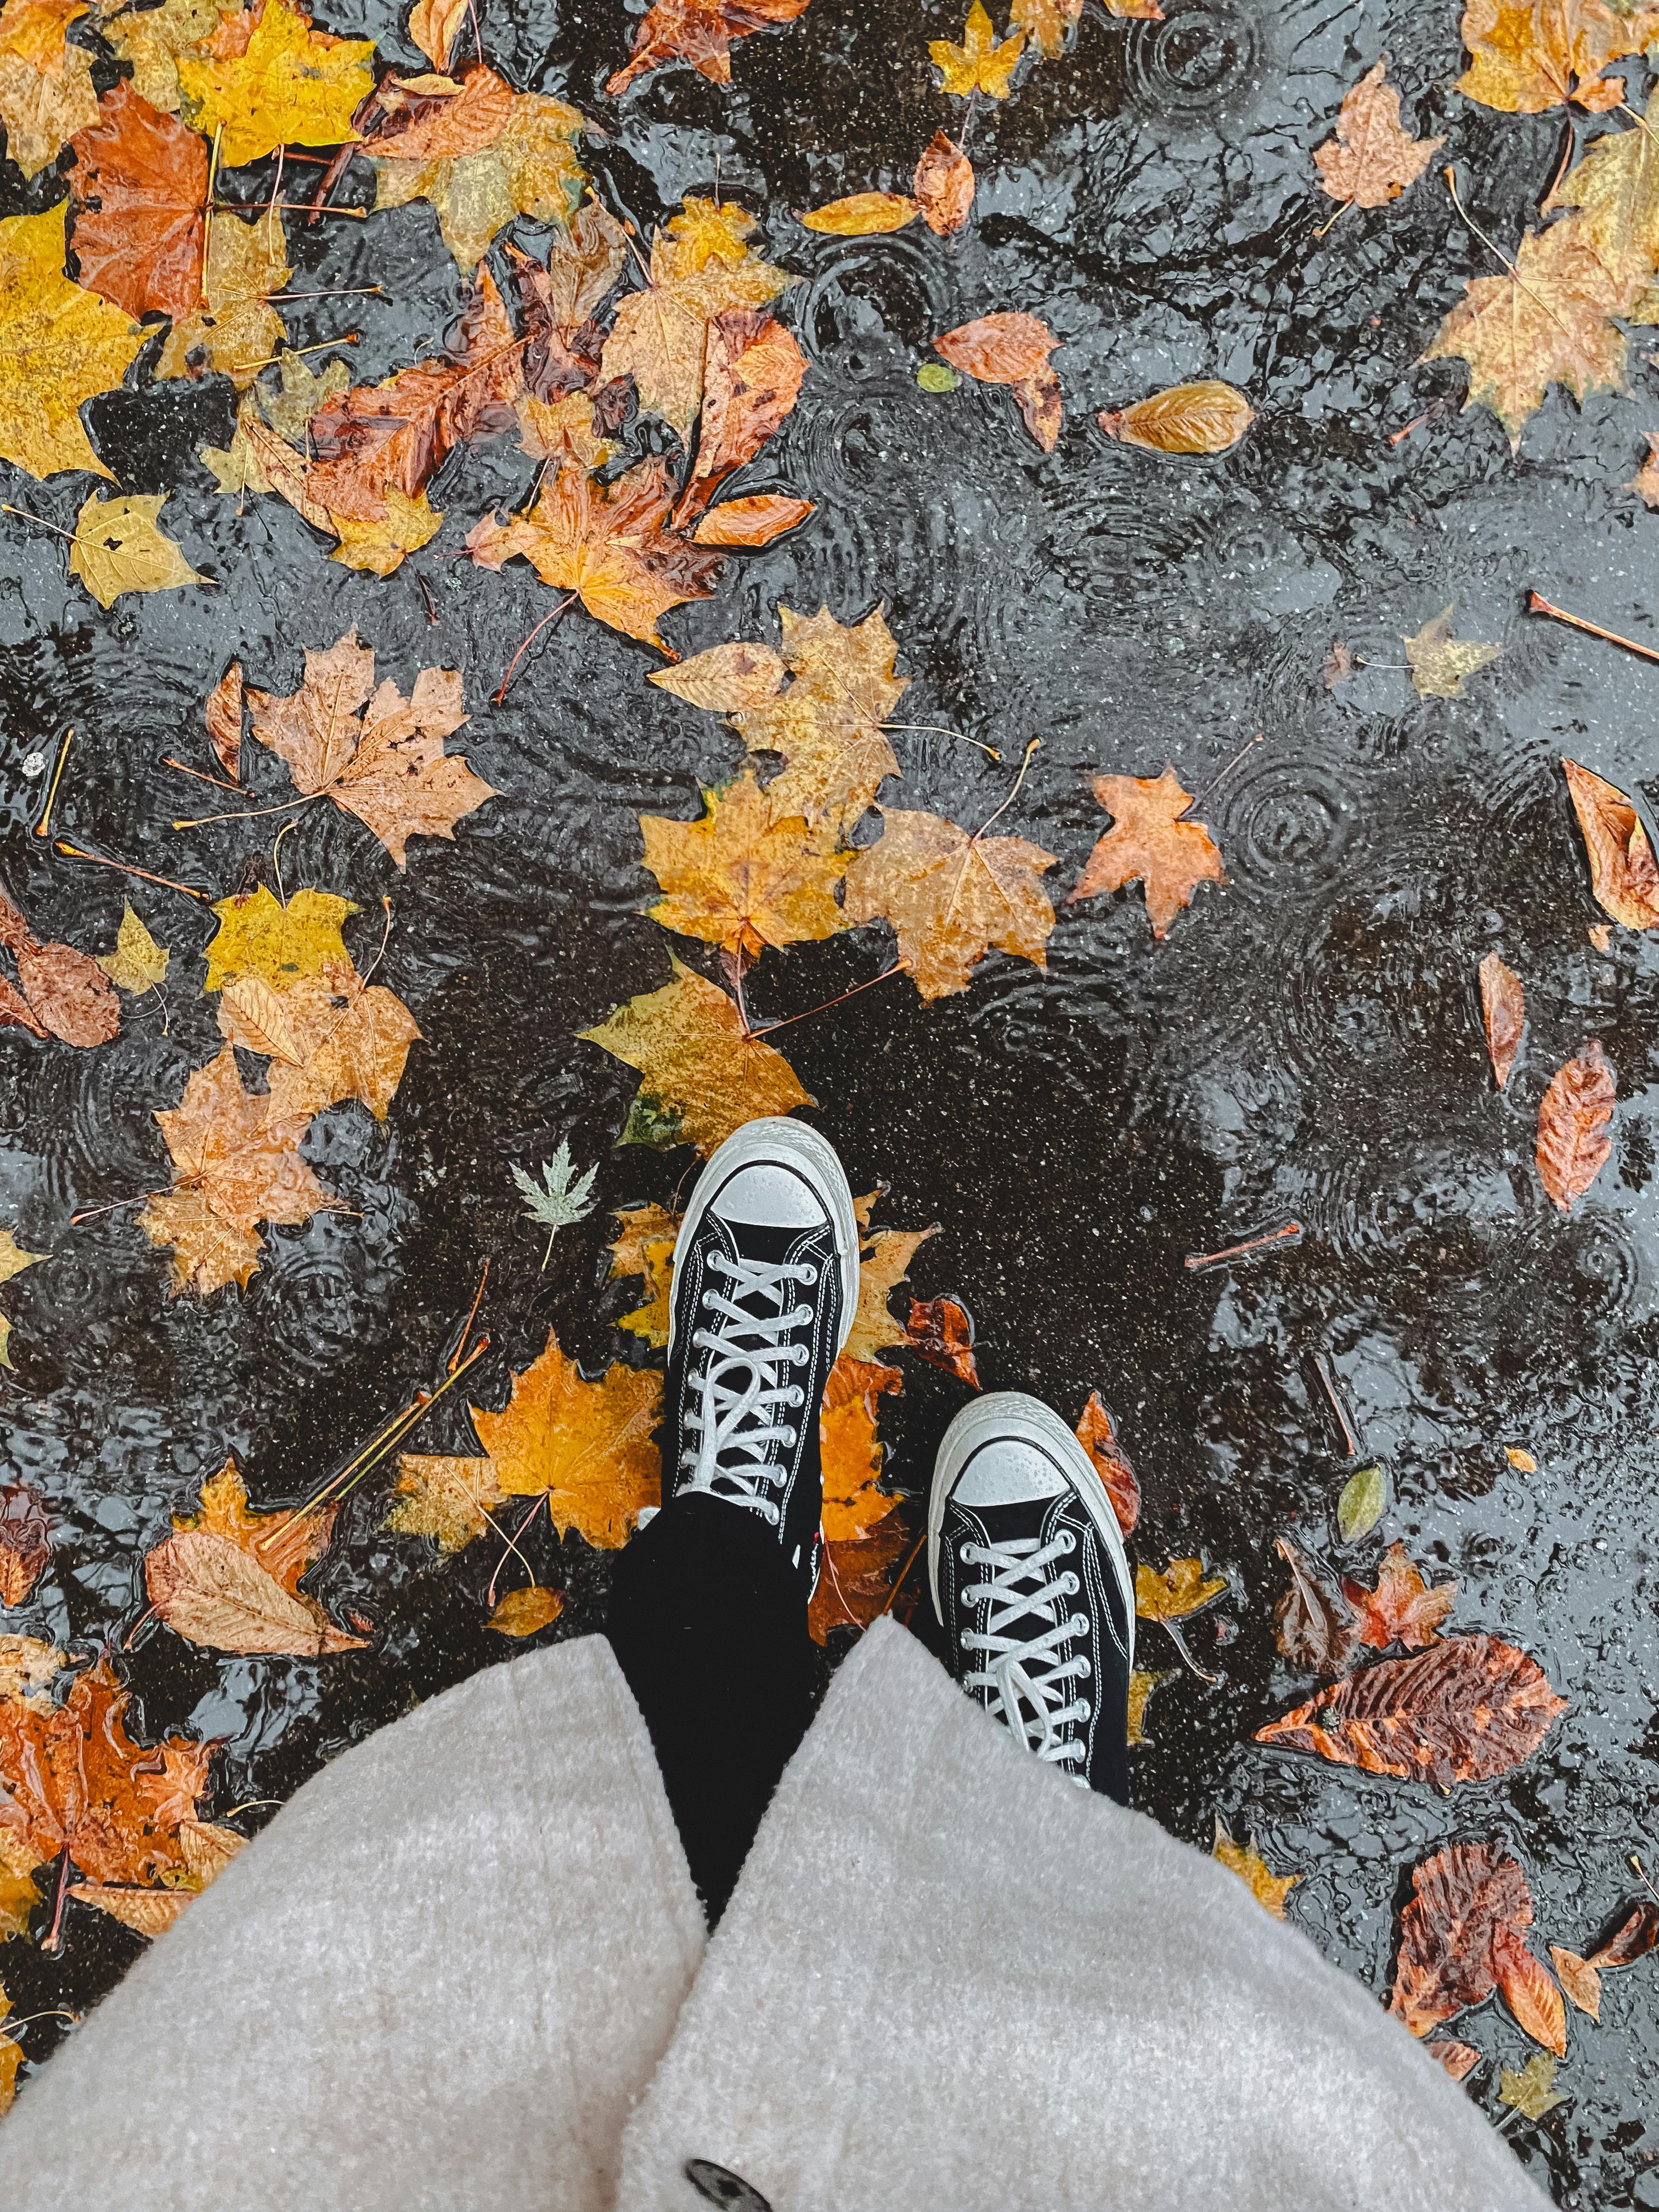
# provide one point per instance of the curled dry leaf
(1010, 348)
(1645, 482)
(951, 897)
(1637, 1933)
(863, 214)
(1463, 1898)
(1458, 2059)
(1205, 417)
(941, 1332)
(1150, 844)
(944, 186)
(1573, 1114)
(1403, 1608)
(1097, 1434)
(25, 1540)
(1464, 1710)
(1370, 160)
(223, 715)
(1624, 875)
(1313, 1627)
(1504, 1005)
(740, 877)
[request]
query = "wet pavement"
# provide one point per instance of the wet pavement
(1306, 1044)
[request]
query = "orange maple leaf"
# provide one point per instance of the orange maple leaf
(1148, 841)
(740, 877)
(140, 199)
(587, 1445)
(951, 897)
(1403, 1608)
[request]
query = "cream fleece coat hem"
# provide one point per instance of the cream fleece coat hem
(949, 1981)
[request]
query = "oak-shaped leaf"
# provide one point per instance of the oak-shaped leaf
(1503, 1007)
(1370, 160)
(1624, 875)
(1010, 348)
(1466, 1710)
(1574, 1145)
(1150, 842)
(700, 32)
(381, 757)
(1312, 1626)
(951, 897)
(139, 189)
(741, 877)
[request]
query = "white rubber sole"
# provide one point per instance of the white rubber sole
(1012, 1414)
(792, 1144)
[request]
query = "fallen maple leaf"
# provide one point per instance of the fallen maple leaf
(526, 1612)
(1573, 1143)
(25, 1540)
(235, 329)
(283, 1544)
(140, 198)
(233, 1169)
(979, 64)
(1502, 1003)
(700, 32)
(151, 39)
(610, 544)
(289, 86)
(851, 1453)
(446, 1497)
(1461, 1899)
(1615, 187)
(1150, 842)
(1314, 1629)
(1544, 323)
(46, 92)
(501, 157)
(951, 897)
(382, 757)
(944, 184)
(855, 1580)
(739, 877)
(703, 1075)
(1205, 417)
(659, 335)
(646, 1247)
(1466, 1709)
(59, 346)
(1439, 662)
(941, 1332)
(118, 547)
(1269, 1890)
(1530, 2092)
(1542, 53)
(1403, 1608)
(330, 1037)
(1173, 1592)
(1370, 159)
(282, 944)
(1011, 349)
(752, 372)
(1098, 1438)
(1624, 876)
(560, 294)
(827, 723)
(884, 1262)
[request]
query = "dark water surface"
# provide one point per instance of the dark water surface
(1307, 1042)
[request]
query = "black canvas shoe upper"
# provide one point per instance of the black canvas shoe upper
(756, 1327)
(1036, 1630)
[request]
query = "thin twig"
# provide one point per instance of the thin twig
(1290, 1233)
(44, 823)
(54, 1938)
(1220, 778)
(347, 337)
(938, 730)
(1349, 1441)
(466, 1326)
(915, 1553)
(74, 853)
(500, 693)
(333, 292)
(207, 223)
(115, 1205)
(200, 774)
(295, 207)
(1335, 219)
(1537, 604)
(767, 1028)
(27, 515)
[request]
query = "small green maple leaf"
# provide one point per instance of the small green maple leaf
(1530, 2090)
(561, 1198)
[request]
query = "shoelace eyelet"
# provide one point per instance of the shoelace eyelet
(808, 1274)
(1069, 1584)
(1080, 1624)
(797, 1396)
(1084, 1667)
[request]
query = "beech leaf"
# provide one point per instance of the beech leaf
(1624, 874)
(1314, 1628)
(1503, 1005)
(1573, 1114)
(1205, 417)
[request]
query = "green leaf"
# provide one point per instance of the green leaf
(562, 1196)
(1530, 2090)
(1360, 1508)
(933, 376)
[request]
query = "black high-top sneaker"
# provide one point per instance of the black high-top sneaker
(766, 1278)
(1032, 1585)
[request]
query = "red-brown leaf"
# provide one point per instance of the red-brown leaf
(71, 993)
(941, 1331)
(24, 1541)
(1314, 1628)
(1529, 1990)
(1634, 1938)
(1463, 1711)
(1504, 1006)
(944, 186)
(1403, 1608)
(140, 192)
(410, 125)
(755, 520)
(700, 32)
(1457, 2058)
(1098, 1435)
(223, 716)
(752, 370)
(1573, 1143)
(1462, 1898)
(856, 1579)
(1012, 349)
(15, 1011)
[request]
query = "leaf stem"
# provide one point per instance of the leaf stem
(74, 853)
(870, 981)
(1537, 604)
(247, 813)
(1289, 1233)
(43, 825)
(500, 693)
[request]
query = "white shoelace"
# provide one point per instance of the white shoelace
(739, 1384)
(1026, 1673)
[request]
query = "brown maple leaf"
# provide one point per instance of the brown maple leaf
(1098, 1435)
(1314, 1628)
(700, 32)
(65, 994)
(233, 1169)
(1403, 1608)
(741, 877)
(1542, 53)
(386, 765)
(1504, 1005)
(610, 544)
(949, 897)
(73, 1781)
(1624, 876)
(1370, 160)
(1463, 1711)
(139, 191)
(1573, 1114)
(855, 1581)
(1150, 842)
(329, 1036)
(1011, 349)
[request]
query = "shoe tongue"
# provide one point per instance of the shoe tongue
(1025, 1518)
(759, 1241)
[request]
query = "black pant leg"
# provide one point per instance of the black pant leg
(709, 1624)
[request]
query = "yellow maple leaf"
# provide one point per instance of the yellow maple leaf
(530, 169)
(703, 1074)
(851, 1454)
(740, 877)
(883, 1264)
(1542, 53)
(444, 1497)
(1182, 1588)
(658, 338)
(949, 897)
(1142, 1683)
(14, 1259)
(236, 330)
(1546, 323)
(330, 1036)
(1615, 187)
(588, 1445)
(46, 92)
(380, 546)
(283, 1543)
(258, 935)
(979, 64)
(1269, 1890)
(59, 346)
(291, 85)
(118, 547)
(646, 1247)
(1439, 662)
(710, 230)
(153, 39)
